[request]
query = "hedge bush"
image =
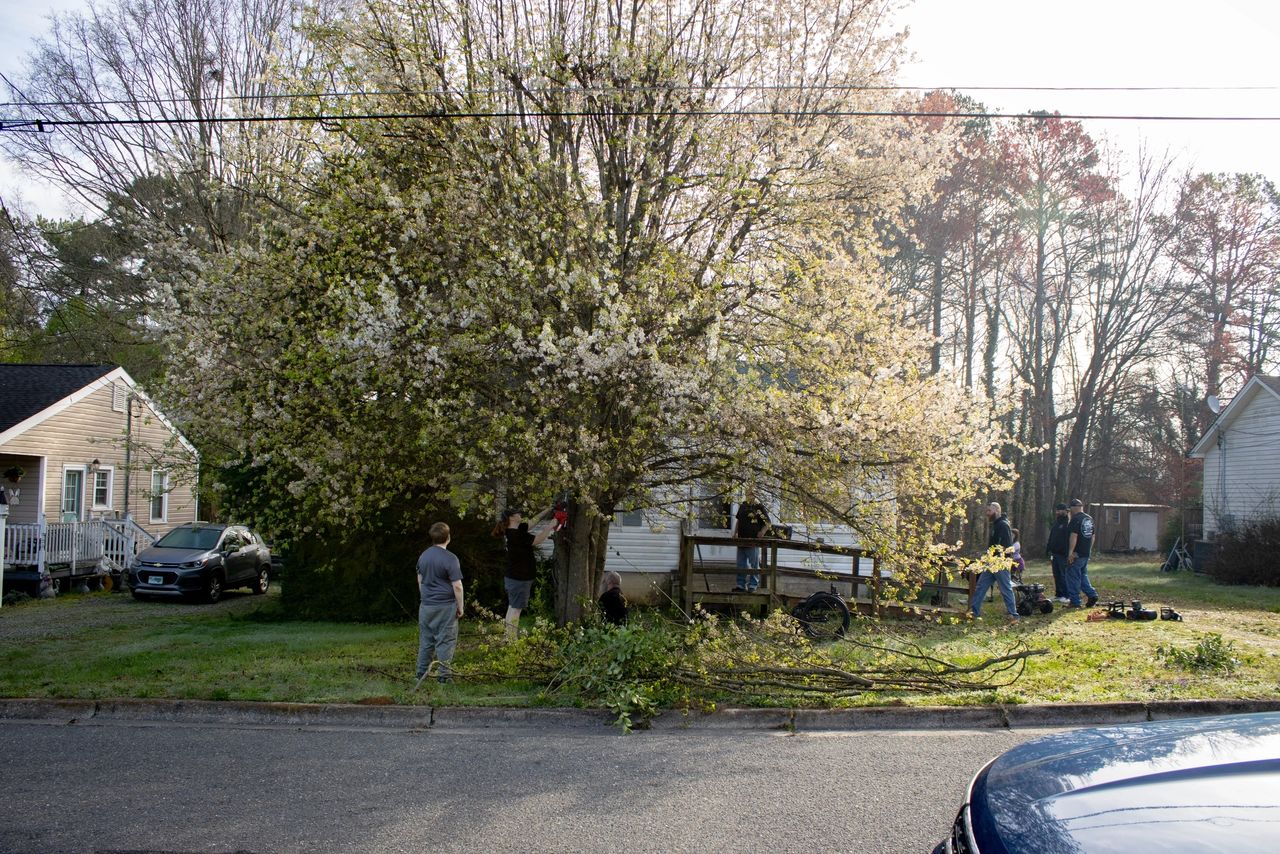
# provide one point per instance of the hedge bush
(1248, 555)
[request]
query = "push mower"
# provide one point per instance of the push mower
(1030, 598)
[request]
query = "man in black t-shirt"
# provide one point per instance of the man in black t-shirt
(751, 521)
(1059, 544)
(1000, 543)
(1079, 544)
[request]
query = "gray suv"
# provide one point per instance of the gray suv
(200, 560)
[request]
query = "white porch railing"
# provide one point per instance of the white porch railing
(113, 543)
(122, 540)
(22, 545)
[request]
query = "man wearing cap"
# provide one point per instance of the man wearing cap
(1000, 543)
(1059, 545)
(1079, 544)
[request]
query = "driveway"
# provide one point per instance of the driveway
(54, 618)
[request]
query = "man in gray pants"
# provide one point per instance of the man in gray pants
(440, 594)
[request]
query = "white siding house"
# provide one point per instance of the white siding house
(644, 545)
(1241, 453)
(90, 467)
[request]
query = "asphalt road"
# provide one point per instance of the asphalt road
(119, 787)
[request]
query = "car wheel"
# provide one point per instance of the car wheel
(262, 582)
(213, 588)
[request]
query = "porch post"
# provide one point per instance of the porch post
(42, 534)
(4, 518)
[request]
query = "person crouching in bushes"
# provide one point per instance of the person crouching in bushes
(612, 602)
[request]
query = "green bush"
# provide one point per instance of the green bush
(366, 574)
(1248, 555)
(1211, 654)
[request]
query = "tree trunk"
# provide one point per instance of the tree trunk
(580, 554)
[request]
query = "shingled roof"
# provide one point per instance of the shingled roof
(26, 390)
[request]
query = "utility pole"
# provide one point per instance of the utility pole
(128, 450)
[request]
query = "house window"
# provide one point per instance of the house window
(72, 493)
(1113, 516)
(159, 495)
(631, 518)
(103, 482)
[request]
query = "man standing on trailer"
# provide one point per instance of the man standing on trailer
(751, 521)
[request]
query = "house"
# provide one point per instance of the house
(92, 470)
(644, 546)
(1241, 453)
(1128, 527)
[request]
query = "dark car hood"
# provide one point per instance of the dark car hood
(159, 555)
(1203, 784)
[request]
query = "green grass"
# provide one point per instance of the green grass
(251, 653)
(246, 650)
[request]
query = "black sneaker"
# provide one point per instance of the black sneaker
(1093, 600)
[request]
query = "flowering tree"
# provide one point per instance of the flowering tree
(608, 250)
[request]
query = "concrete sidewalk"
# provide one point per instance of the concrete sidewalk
(350, 716)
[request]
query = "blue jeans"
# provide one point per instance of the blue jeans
(749, 558)
(985, 580)
(438, 635)
(1059, 576)
(1078, 581)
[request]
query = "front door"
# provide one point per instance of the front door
(72, 494)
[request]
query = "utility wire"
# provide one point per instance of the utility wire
(608, 90)
(39, 125)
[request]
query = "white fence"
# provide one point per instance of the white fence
(111, 544)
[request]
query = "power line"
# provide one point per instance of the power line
(40, 125)
(609, 90)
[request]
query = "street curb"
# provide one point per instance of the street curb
(341, 715)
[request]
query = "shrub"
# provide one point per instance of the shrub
(1248, 555)
(366, 574)
(1211, 654)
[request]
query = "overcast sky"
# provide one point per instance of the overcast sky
(1012, 43)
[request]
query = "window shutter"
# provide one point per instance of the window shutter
(119, 397)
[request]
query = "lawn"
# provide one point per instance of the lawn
(105, 645)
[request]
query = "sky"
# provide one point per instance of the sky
(959, 43)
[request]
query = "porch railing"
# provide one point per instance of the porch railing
(22, 545)
(113, 543)
(122, 540)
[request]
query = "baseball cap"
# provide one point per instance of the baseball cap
(1059, 506)
(1076, 502)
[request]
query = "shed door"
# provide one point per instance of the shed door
(1144, 531)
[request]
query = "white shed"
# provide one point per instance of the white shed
(1241, 453)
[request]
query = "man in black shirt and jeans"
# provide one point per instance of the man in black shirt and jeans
(752, 521)
(1056, 550)
(1000, 544)
(1079, 544)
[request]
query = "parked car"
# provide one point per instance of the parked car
(1197, 784)
(201, 560)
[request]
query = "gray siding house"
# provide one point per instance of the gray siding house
(1241, 453)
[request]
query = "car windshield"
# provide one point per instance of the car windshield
(189, 538)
